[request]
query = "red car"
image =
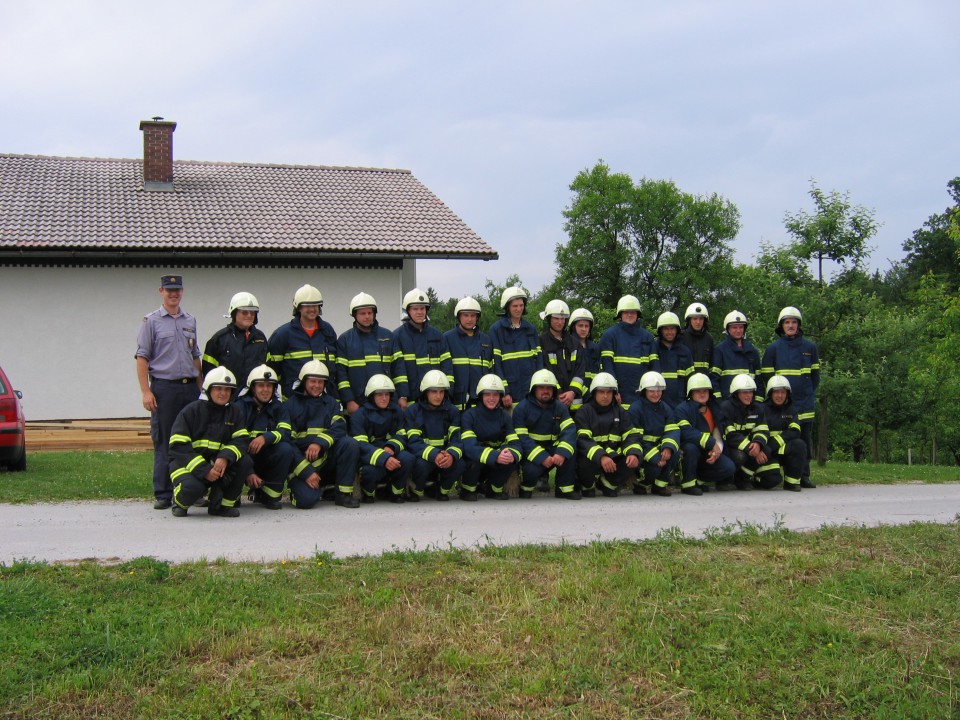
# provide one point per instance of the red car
(13, 448)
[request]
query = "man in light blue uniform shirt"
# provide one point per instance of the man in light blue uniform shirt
(168, 370)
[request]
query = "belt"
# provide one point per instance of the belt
(181, 381)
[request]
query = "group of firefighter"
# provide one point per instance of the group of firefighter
(414, 413)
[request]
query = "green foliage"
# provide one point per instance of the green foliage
(935, 248)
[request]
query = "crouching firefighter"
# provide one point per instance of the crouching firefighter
(654, 419)
(378, 429)
(700, 440)
(786, 451)
(745, 434)
(490, 444)
(323, 449)
(608, 445)
(548, 438)
(433, 436)
(269, 456)
(207, 442)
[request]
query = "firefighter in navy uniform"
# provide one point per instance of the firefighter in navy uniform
(421, 346)
(796, 358)
(433, 437)
(696, 336)
(270, 452)
(676, 361)
(241, 345)
(734, 355)
(207, 444)
(306, 337)
(516, 346)
(561, 353)
(365, 350)
(548, 438)
(581, 330)
(786, 450)
(654, 418)
(628, 350)
(745, 434)
(469, 354)
(323, 449)
(490, 444)
(608, 447)
(701, 443)
(379, 430)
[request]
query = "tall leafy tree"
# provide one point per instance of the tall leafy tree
(933, 248)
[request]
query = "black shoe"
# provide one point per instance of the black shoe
(162, 503)
(805, 483)
(178, 511)
(347, 500)
(639, 489)
(202, 502)
(442, 496)
(695, 490)
(413, 497)
(502, 495)
(543, 485)
(610, 492)
(367, 499)
(223, 511)
(591, 493)
(572, 495)
(488, 492)
(397, 499)
(468, 495)
(744, 485)
(725, 487)
(664, 491)
(704, 488)
(526, 494)
(792, 487)
(270, 503)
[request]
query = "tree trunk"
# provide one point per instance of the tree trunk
(933, 448)
(874, 442)
(822, 434)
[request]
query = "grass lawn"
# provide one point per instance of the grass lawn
(841, 623)
(60, 476)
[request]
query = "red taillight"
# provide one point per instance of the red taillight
(8, 410)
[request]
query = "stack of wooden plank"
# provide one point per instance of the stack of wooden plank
(64, 435)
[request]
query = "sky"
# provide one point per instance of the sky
(496, 106)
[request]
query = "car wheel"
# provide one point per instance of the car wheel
(21, 464)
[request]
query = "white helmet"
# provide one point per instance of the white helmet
(696, 310)
(734, 317)
(778, 382)
(378, 383)
(602, 381)
(512, 293)
(314, 368)
(580, 314)
(742, 382)
(434, 380)
(543, 377)
(219, 376)
(415, 297)
(555, 307)
(306, 295)
(652, 380)
(490, 383)
(628, 302)
(361, 300)
(698, 381)
(262, 373)
(789, 312)
(242, 301)
(468, 304)
(668, 319)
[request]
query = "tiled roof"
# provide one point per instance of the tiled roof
(76, 204)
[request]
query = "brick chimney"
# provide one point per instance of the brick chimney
(158, 154)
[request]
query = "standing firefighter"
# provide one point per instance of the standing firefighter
(628, 350)
(490, 444)
(676, 361)
(324, 449)
(207, 443)
(654, 419)
(270, 452)
(516, 345)
(469, 353)
(735, 355)
(433, 436)
(378, 429)
(696, 337)
(241, 345)
(581, 330)
(365, 350)
(561, 353)
(796, 358)
(608, 446)
(421, 347)
(548, 438)
(306, 337)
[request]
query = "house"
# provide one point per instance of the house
(84, 241)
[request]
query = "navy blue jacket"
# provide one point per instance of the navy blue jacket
(271, 420)
(730, 360)
(627, 352)
(658, 426)
(469, 358)
(375, 429)
(544, 429)
(430, 430)
(486, 432)
(362, 354)
(676, 366)
(516, 355)
(798, 360)
(420, 351)
(231, 348)
(204, 432)
(314, 420)
(290, 348)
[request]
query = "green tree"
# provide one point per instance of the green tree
(933, 248)
(836, 230)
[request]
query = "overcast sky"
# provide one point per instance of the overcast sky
(496, 106)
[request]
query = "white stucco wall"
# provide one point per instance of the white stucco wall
(68, 335)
